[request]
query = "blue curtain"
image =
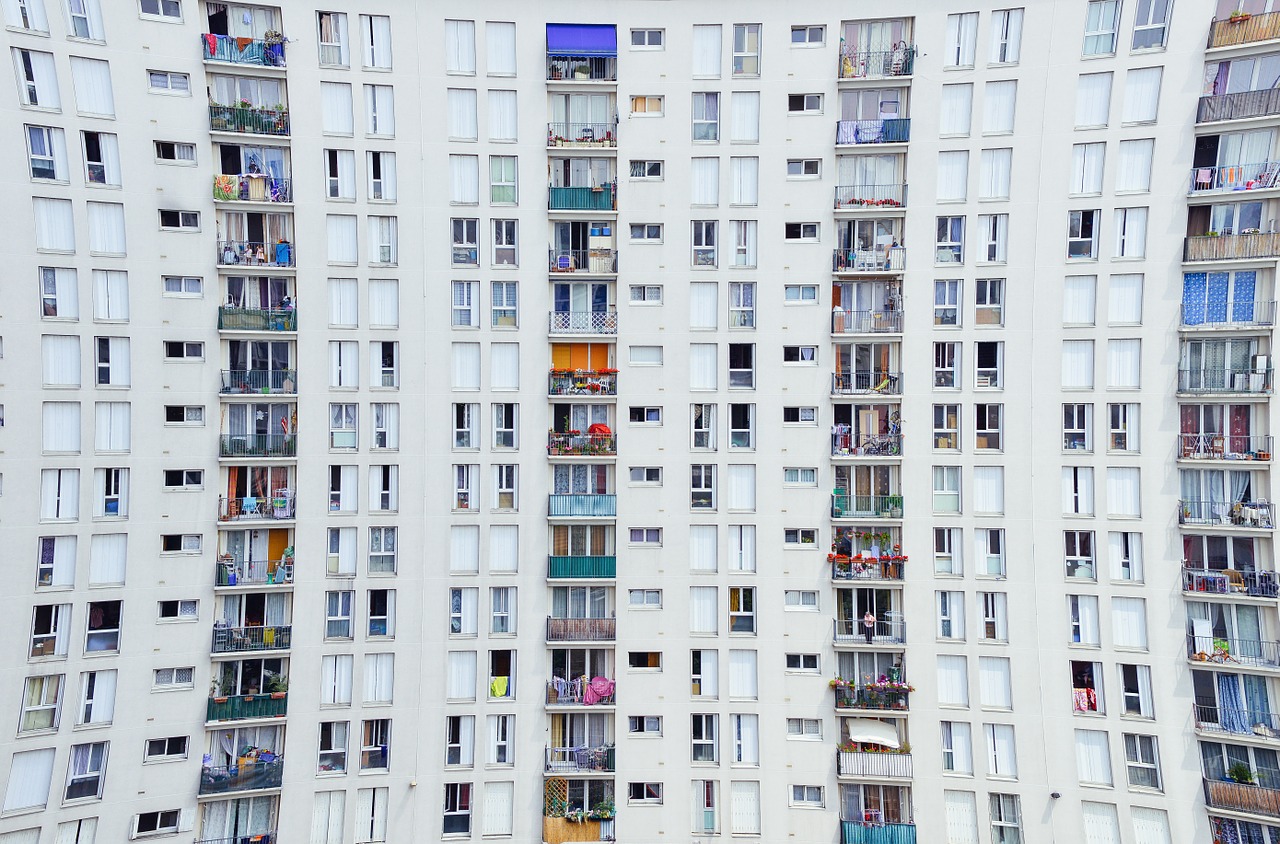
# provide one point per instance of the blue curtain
(1227, 832)
(1193, 285)
(1216, 297)
(1252, 833)
(1259, 701)
(1231, 712)
(1242, 310)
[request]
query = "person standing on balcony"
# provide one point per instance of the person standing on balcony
(869, 626)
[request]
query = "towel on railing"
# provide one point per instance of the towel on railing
(498, 687)
(226, 188)
(600, 688)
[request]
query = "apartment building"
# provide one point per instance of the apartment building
(639, 422)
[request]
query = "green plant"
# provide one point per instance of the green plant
(604, 810)
(277, 683)
(1240, 772)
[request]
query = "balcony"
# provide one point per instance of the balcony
(251, 508)
(1210, 717)
(1234, 177)
(877, 64)
(573, 760)
(232, 572)
(885, 259)
(868, 832)
(1252, 514)
(582, 68)
(1238, 106)
(860, 764)
(1257, 584)
(880, 445)
(581, 445)
(591, 261)
(581, 629)
(1224, 447)
(582, 322)
(856, 506)
(870, 568)
(1232, 380)
(250, 838)
(1227, 32)
(559, 830)
(252, 187)
(887, 631)
(1248, 314)
(866, 381)
(248, 120)
(866, 322)
(893, 696)
(1240, 797)
(598, 691)
(582, 382)
(598, 566)
(251, 776)
(228, 640)
(1231, 247)
(257, 319)
(259, 445)
(863, 197)
(251, 253)
(589, 505)
(251, 51)
(1233, 653)
(604, 198)
(266, 382)
(582, 134)
(893, 130)
(243, 707)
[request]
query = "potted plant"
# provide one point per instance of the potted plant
(895, 506)
(278, 686)
(1239, 16)
(604, 810)
(1241, 773)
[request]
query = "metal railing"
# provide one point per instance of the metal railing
(1226, 513)
(855, 506)
(257, 319)
(1258, 584)
(575, 693)
(581, 445)
(602, 198)
(1233, 177)
(582, 322)
(586, 566)
(241, 707)
(867, 381)
(253, 572)
(1222, 651)
(582, 382)
(890, 130)
(254, 508)
(227, 48)
(259, 445)
(581, 629)
(247, 777)
(582, 504)
(248, 838)
(1238, 106)
(582, 134)
(1239, 797)
(868, 832)
(255, 187)
(1226, 32)
(599, 260)
(866, 322)
(853, 197)
(568, 760)
(848, 568)
(860, 764)
(1231, 380)
(850, 631)
(1225, 446)
(254, 121)
(237, 639)
(1213, 718)
(883, 259)
(872, 64)
(1230, 247)
(1249, 313)
(259, 381)
(252, 253)
(867, 445)
(582, 68)
(872, 697)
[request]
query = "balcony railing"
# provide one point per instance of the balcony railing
(1232, 380)
(1254, 514)
(256, 187)
(1225, 32)
(864, 64)
(582, 382)
(259, 381)
(237, 639)
(259, 445)
(1238, 106)
(257, 319)
(883, 259)
(253, 508)
(582, 566)
(227, 48)
(603, 198)
(248, 838)
(569, 760)
(1231, 247)
(582, 68)
(872, 697)
(1213, 718)
(600, 261)
(582, 322)
(868, 832)
(855, 197)
(846, 506)
(1224, 447)
(247, 777)
(1234, 177)
(866, 381)
(1239, 797)
(892, 130)
(850, 631)
(581, 691)
(597, 505)
(581, 445)
(850, 568)
(866, 322)
(581, 629)
(241, 707)
(1233, 652)
(582, 134)
(880, 445)
(860, 764)
(253, 121)
(1250, 313)
(253, 572)
(1258, 584)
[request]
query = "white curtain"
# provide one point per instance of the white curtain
(999, 100)
(994, 682)
(706, 50)
(1078, 300)
(109, 146)
(742, 547)
(103, 698)
(342, 238)
(962, 39)
(1124, 363)
(343, 302)
(988, 489)
(996, 169)
(464, 548)
(384, 303)
(704, 181)
(118, 351)
(1002, 756)
(30, 772)
(1006, 36)
(64, 560)
(744, 807)
(108, 558)
(504, 548)
(956, 109)
(961, 810)
(61, 360)
(344, 363)
(743, 675)
(1125, 299)
(710, 677)
(702, 367)
(45, 77)
(1123, 491)
(504, 366)
(464, 179)
(1093, 99)
(499, 798)
(335, 109)
(83, 831)
(1150, 826)
(1131, 232)
(460, 46)
(1118, 542)
(110, 295)
(953, 175)
(466, 366)
(1141, 95)
(704, 299)
(703, 551)
(59, 494)
(744, 117)
(346, 175)
(742, 487)
(55, 225)
(1077, 489)
(744, 181)
(500, 38)
(702, 609)
(462, 113)
(380, 109)
(994, 230)
(327, 817)
(1129, 622)
(961, 744)
(384, 480)
(1000, 608)
(953, 680)
(65, 292)
(382, 244)
(61, 426)
(503, 119)
(461, 680)
(335, 678)
(375, 31)
(1088, 617)
(1133, 165)
(1087, 162)
(387, 160)
(379, 677)
(36, 16)
(1101, 825)
(1093, 757)
(1077, 364)
(92, 79)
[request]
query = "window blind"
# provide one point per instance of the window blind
(1125, 299)
(1087, 162)
(1124, 358)
(344, 364)
(110, 295)
(64, 560)
(702, 609)
(375, 32)
(504, 365)
(1002, 757)
(1133, 165)
(461, 681)
(962, 37)
(1129, 622)
(704, 304)
(1078, 295)
(384, 303)
(744, 799)
(499, 798)
(30, 772)
(59, 494)
(1077, 490)
(380, 109)
(503, 116)
(1093, 99)
(343, 302)
(37, 19)
(988, 489)
(1118, 542)
(1101, 826)
(958, 736)
(742, 547)
(1150, 826)
(327, 813)
(1093, 758)
(108, 558)
(744, 181)
(995, 166)
(379, 676)
(961, 810)
(702, 367)
(504, 548)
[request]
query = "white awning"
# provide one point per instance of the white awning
(874, 732)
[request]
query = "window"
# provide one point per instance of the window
(47, 153)
(650, 170)
(804, 103)
(957, 747)
(457, 808)
(169, 82)
(1006, 819)
(703, 487)
(1122, 427)
(382, 240)
(993, 229)
(950, 242)
(742, 609)
(800, 536)
(794, 476)
(646, 536)
(645, 598)
(41, 703)
(946, 302)
(651, 39)
(180, 220)
(804, 168)
(646, 106)
(799, 415)
(645, 232)
(183, 286)
(706, 117)
(501, 732)
(86, 771)
(1083, 612)
(1093, 100)
(645, 415)
(1078, 554)
(1077, 490)
(1135, 683)
(644, 355)
(178, 610)
(103, 634)
(946, 365)
(375, 742)
(180, 543)
(338, 615)
(1077, 427)
(746, 49)
(946, 489)
(27, 14)
(646, 475)
(800, 599)
(742, 373)
(1151, 24)
(988, 364)
(504, 492)
(178, 350)
(950, 611)
(946, 426)
(953, 176)
(465, 305)
(166, 822)
(1082, 234)
(38, 85)
(1087, 165)
(808, 35)
(800, 231)
(989, 306)
(175, 151)
(644, 792)
(502, 179)
(376, 36)
(987, 430)
(807, 795)
(505, 242)
(1006, 43)
(165, 749)
(795, 294)
(956, 110)
(379, 109)
(705, 746)
(1142, 761)
(1102, 20)
(460, 47)
(947, 551)
(332, 754)
(382, 549)
(962, 36)
(1131, 232)
(995, 616)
